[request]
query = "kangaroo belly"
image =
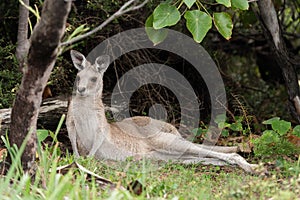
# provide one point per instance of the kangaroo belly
(126, 136)
(146, 125)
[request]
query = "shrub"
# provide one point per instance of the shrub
(10, 76)
(276, 141)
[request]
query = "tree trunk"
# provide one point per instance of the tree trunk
(272, 31)
(36, 71)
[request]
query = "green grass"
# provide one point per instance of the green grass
(160, 180)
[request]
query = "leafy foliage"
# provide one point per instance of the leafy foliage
(274, 141)
(10, 76)
(237, 126)
(198, 21)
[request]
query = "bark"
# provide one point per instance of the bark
(272, 31)
(22, 40)
(41, 58)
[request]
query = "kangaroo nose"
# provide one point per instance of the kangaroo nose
(81, 89)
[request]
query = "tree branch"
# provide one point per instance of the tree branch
(270, 20)
(22, 38)
(124, 9)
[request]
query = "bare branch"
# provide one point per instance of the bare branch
(124, 9)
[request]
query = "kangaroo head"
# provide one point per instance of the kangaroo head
(89, 80)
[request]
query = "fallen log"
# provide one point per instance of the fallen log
(49, 115)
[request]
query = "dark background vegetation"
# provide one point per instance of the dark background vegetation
(253, 80)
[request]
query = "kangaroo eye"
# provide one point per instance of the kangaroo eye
(94, 79)
(77, 78)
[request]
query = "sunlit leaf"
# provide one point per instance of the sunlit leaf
(42, 134)
(225, 133)
(269, 136)
(236, 126)
(198, 23)
(281, 126)
(226, 3)
(189, 3)
(223, 23)
(79, 30)
(296, 130)
(165, 15)
(240, 4)
(270, 121)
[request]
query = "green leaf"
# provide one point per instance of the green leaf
(236, 126)
(198, 23)
(223, 23)
(223, 125)
(296, 130)
(226, 3)
(271, 121)
(165, 15)
(42, 134)
(156, 36)
(269, 136)
(53, 136)
(240, 4)
(79, 30)
(197, 131)
(189, 3)
(220, 118)
(225, 133)
(238, 118)
(34, 11)
(281, 126)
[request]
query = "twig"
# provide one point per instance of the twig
(124, 9)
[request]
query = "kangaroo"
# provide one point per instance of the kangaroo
(91, 134)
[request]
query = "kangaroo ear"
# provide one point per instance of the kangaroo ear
(78, 59)
(102, 63)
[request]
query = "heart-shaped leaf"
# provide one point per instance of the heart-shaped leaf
(223, 23)
(271, 121)
(226, 3)
(165, 15)
(240, 4)
(198, 23)
(189, 3)
(156, 36)
(281, 126)
(296, 130)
